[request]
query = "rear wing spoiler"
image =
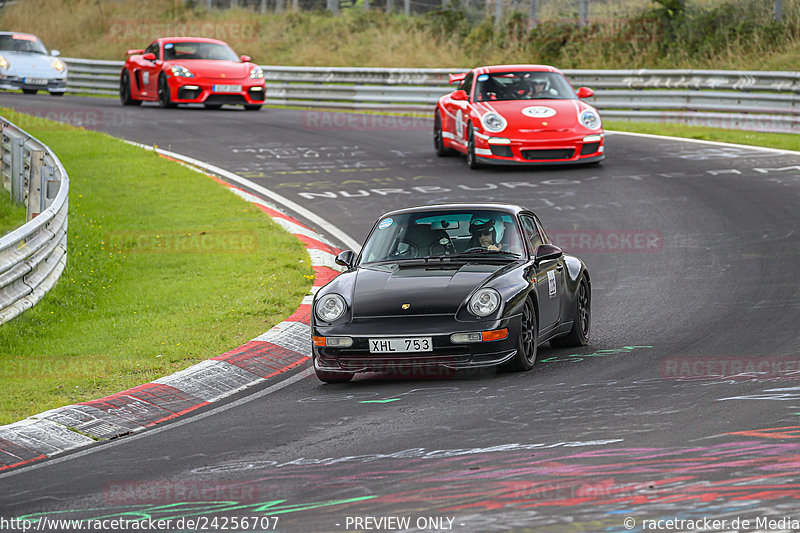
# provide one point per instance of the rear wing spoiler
(457, 78)
(133, 52)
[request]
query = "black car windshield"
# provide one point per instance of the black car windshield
(198, 50)
(21, 42)
(523, 85)
(438, 235)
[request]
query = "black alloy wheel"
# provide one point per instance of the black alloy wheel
(164, 99)
(527, 342)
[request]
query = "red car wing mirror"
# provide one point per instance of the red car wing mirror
(149, 56)
(246, 59)
(459, 95)
(585, 92)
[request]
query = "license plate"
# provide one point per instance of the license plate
(397, 345)
(35, 81)
(227, 88)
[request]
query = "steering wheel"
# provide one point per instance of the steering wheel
(410, 250)
(443, 248)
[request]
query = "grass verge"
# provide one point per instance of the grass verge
(12, 215)
(783, 141)
(166, 268)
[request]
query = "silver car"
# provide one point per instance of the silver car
(26, 64)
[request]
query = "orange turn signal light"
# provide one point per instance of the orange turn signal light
(494, 335)
(318, 341)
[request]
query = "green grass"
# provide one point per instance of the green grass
(165, 268)
(12, 215)
(784, 141)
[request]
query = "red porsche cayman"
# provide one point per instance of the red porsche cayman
(517, 114)
(189, 70)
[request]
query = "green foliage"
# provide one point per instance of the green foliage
(12, 215)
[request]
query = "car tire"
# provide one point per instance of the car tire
(527, 341)
(164, 99)
(252, 107)
(212, 106)
(60, 93)
(333, 377)
(438, 139)
(125, 90)
(472, 161)
(30, 91)
(579, 334)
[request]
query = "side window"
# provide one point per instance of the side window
(545, 238)
(531, 233)
(466, 84)
(154, 49)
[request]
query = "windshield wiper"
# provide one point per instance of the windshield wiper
(483, 252)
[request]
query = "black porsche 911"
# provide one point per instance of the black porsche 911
(449, 286)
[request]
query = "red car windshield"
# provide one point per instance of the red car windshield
(198, 50)
(525, 85)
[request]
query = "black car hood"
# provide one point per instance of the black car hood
(382, 290)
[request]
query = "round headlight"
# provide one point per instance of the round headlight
(590, 119)
(256, 73)
(484, 302)
(494, 122)
(330, 307)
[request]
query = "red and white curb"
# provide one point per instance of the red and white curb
(282, 348)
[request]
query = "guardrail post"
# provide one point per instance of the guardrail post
(533, 16)
(50, 185)
(583, 13)
(366, 5)
(35, 185)
(407, 7)
(777, 10)
(17, 191)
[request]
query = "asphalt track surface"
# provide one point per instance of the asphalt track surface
(685, 405)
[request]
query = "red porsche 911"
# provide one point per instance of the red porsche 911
(191, 70)
(517, 114)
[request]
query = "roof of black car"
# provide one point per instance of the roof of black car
(511, 208)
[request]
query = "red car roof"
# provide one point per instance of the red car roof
(190, 39)
(506, 68)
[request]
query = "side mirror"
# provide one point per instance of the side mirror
(150, 56)
(55, 53)
(346, 258)
(546, 252)
(246, 59)
(460, 95)
(585, 92)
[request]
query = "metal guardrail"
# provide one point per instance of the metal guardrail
(747, 100)
(33, 256)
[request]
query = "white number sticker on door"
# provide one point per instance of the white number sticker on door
(551, 283)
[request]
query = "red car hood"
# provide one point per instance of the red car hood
(216, 69)
(534, 116)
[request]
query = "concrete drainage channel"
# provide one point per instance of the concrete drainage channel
(259, 361)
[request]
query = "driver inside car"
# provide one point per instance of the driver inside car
(483, 234)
